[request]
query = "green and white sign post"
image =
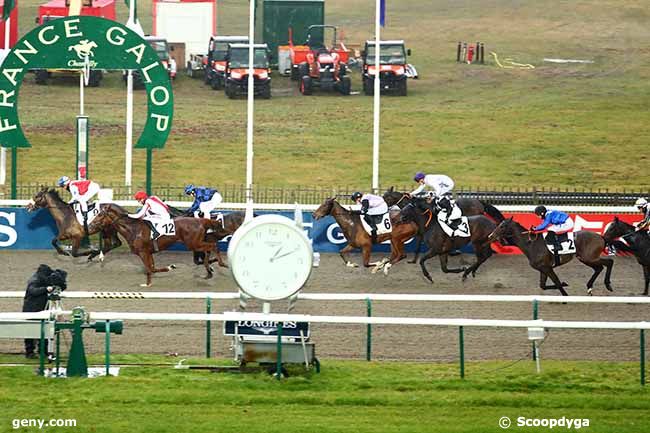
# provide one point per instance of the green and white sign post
(66, 43)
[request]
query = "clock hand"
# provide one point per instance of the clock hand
(276, 253)
(285, 254)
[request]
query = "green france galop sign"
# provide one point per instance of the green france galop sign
(65, 43)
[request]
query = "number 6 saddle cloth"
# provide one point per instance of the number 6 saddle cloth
(566, 241)
(382, 221)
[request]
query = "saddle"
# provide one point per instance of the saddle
(381, 221)
(93, 211)
(565, 240)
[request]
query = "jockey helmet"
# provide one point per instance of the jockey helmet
(63, 181)
(418, 176)
(141, 195)
(641, 203)
(356, 196)
(540, 211)
(189, 189)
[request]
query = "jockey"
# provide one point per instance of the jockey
(554, 222)
(205, 200)
(82, 191)
(441, 186)
(643, 206)
(371, 206)
(153, 210)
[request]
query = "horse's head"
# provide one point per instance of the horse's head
(106, 217)
(39, 200)
(324, 209)
(616, 229)
(504, 230)
(392, 198)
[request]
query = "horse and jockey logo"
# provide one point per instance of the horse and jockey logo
(84, 49)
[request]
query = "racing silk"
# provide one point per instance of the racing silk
(373, 205)
(645, 224)
(153, 208)
(554, 217)
(439, 183)
(201, 195)
(82, 191)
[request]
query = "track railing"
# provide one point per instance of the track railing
(358, 320)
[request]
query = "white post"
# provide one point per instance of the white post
(7, 30)
(81, 93)
(249, 128)
(129, 131)
(376, 108)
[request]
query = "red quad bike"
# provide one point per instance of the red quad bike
(324, 67)
(393, 69)
(237, 71)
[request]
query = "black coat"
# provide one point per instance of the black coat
(36, 294)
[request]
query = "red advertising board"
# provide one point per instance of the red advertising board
(593, 222)
(13, 27)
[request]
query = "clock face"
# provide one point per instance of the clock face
(270, 257)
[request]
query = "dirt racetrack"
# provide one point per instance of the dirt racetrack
(499, 275)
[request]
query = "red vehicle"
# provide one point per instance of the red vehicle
(215, 62)
(237, 70)
(319, 65)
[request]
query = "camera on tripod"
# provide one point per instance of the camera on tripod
(55, 293)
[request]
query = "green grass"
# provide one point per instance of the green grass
(346, 396)
(569, 126)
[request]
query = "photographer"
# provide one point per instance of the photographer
(39, 286)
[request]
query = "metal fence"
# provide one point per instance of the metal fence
(316, 195)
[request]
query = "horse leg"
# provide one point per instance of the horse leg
(147, 260)
(344, 252)
(418, 244)
(609, 265)
(55, 244)
(598, 268)
(424, 258)
(646, 275)
(559, 285)
(481, 256)
(444, 258)
(206, 263)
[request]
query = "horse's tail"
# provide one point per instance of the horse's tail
(492, 212)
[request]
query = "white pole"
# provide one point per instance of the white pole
(376, 108)
(128, 151)
(249, 128)
(81, 92)
(3, 151)
(129, 131)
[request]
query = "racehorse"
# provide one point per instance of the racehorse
(190, 231)
(231, 222)
(469, 207)
(357, 237)
(440, 244)
(589, 246)
(69, 227)
(638, 243)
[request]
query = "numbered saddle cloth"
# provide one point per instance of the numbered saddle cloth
(381, 221)
(567, 244)
(93, 211)
(458, 227)
(164, 227)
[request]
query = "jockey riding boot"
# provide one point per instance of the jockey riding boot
(373, 227)
(556, 247)
(201, 214)
(85, 215)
